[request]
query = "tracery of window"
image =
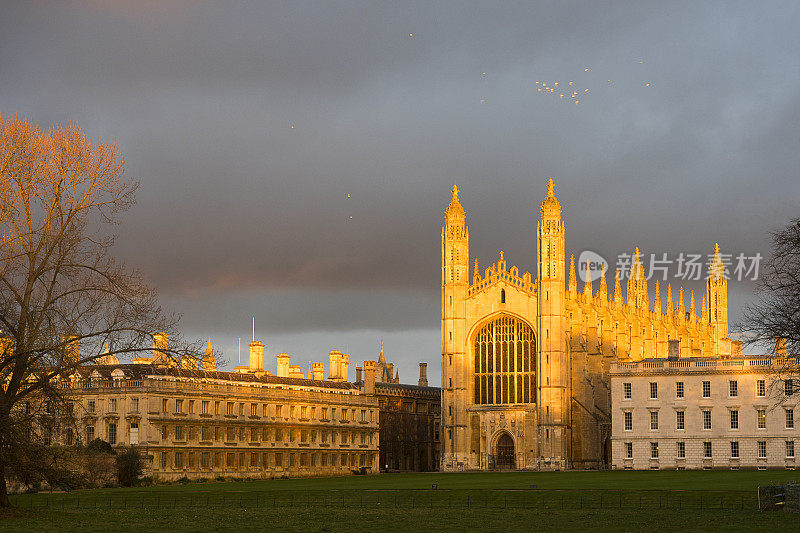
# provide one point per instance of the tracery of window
(505, 362)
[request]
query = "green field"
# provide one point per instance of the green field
(513, 501)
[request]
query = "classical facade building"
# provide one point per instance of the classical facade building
(526, 359)
(693, 413)
(205, 423)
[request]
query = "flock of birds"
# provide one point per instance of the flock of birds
(569, 91)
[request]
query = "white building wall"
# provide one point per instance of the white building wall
(666, 374)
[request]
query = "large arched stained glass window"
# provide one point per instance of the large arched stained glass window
(505, 362)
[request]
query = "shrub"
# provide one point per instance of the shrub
(99, 446)
(129, 467)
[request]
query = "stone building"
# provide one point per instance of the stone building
(410, 417)
(206, 423)
(703, 413)
(525, 359)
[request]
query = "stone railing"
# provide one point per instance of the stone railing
(739, 364)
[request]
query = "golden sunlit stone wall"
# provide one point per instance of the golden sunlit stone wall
(191, 423)
(562, 419)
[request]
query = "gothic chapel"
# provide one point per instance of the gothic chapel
(525, 361)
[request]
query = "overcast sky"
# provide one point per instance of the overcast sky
(248, 125)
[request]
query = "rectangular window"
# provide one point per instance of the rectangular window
(204, 407)
(653, 450)
(706, 389)
(653, 390)
(164, 405)
(789, 418)
(790, 449)
(216, 407)
(653, 419)
(89, 434)
(788, 388)
(734, 449)
(164, 432)
(324, 413)
(734, 419)
(706, 419)
(681, 450)
(761, 416)
(278, 410)
(707, 450)
(135, 405)
(253, 409)
(680, 420)
(229, 409)
(91, 406)
(628, 421)
(112, 433)
(178, 432)
(679, 389)
(762, 449)
(112, 405)
(761, 388)
(303, 412)
(626, 391)
(178, 406)
(241, 409)
(733, 388)
(191, 407)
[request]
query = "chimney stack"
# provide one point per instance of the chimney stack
(256, 356)
(423, 374)
(160, 340)
(334, 365)
(343, 373)
(283, 365)
(736, 348)
(780, 346)
(359, 371)
(369, 377)
(674, 349)
(318, 371)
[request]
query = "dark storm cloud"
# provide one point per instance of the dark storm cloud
(202, 98)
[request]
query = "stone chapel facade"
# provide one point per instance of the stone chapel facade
(525, 360)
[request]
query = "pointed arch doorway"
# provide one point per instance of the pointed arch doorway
(504, 452)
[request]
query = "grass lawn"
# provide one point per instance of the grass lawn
(513, 501)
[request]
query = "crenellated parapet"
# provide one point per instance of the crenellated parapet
(499, 272)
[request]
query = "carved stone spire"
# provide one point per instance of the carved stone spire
(617, 290)
(681, 305)
(603, 292)
(587, 285)
(692, 308)
(209, 361)
(573, 283)
(670, 309)
(550, 207)
(657, 299)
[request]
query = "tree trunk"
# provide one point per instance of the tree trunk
(3, 489)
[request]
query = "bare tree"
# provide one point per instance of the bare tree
(773, 320)
(64, 300)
